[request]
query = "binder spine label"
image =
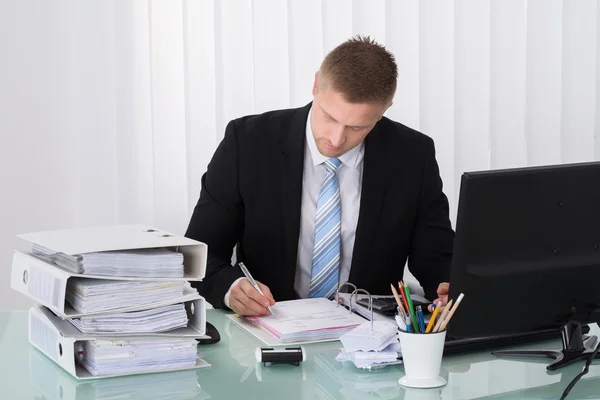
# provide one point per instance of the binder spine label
(44, 287)
(42, 337)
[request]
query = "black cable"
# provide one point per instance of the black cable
(582, 373)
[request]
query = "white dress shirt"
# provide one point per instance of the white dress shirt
(349, 175)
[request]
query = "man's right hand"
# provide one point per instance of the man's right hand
(247, 301)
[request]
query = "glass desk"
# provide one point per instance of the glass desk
(25, 373)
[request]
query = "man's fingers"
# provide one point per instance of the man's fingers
(243, 305)
(252, 293)
(242, 302)
(242, 309)
(443, 288)
(439, 302)
(267, 292)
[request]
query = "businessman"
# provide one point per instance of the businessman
(323, 194)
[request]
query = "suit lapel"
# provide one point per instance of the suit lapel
(372, 195)
(291, 168)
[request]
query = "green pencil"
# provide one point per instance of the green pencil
(412, 311)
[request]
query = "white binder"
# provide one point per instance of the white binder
(56, 338)
(124, 237)
(47, 284)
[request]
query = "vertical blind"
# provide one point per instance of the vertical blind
(111, 110)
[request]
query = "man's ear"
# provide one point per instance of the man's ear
(315, 84)
(386, 108)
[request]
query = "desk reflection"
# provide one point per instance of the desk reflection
(585, 388)
(58, 384)
(345, 381)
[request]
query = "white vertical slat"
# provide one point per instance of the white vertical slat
(134, 146)
(544, 77)
(93, 54)
(38, 141)
(369, 18)
(271, 59)
(579, 80)
(200, 92)
(305, 48)
(337, 23)
(472, 87)
(237, 60)
(436, 79)
(597, 109)
(508, 69)
(168, 115)
(402, 38)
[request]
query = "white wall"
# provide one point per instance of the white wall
(110, 110)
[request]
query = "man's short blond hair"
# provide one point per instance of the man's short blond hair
(361, 70)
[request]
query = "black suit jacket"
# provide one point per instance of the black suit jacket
(251, 195)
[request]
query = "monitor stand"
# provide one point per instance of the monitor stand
(574, 348)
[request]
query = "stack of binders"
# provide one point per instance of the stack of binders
(115, 300)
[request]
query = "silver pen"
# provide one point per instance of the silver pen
(253, 282)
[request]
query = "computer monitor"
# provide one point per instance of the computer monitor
(527, 251)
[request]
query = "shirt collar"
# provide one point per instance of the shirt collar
(351, 158)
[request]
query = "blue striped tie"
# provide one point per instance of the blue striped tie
(326, 254)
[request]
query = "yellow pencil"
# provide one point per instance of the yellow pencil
(400, 307)
(452, 312)
(441, 319)
(430, 324)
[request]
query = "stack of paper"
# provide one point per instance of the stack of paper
(95, 295)
(162, 319)
(308, 320)
(371, 345)
(116, 357)
(153, 262)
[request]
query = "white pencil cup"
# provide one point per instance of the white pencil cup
(422, 359)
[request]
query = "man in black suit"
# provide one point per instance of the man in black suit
(323, 194)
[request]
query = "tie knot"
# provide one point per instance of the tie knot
(332, 164)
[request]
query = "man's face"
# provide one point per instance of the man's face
(339, 126)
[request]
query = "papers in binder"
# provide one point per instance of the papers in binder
(157, 262)
(90, 295)
(116, 357)
(47, 284)
(130, 244)
(308, 320)
(162, 319)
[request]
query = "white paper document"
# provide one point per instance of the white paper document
(367, 336)
(371, 359)
(371, 345)
(115, 357)
(154, 262)
(308, 320)
(155, 320)
(92, 295)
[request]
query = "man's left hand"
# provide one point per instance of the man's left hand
(442, 291)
